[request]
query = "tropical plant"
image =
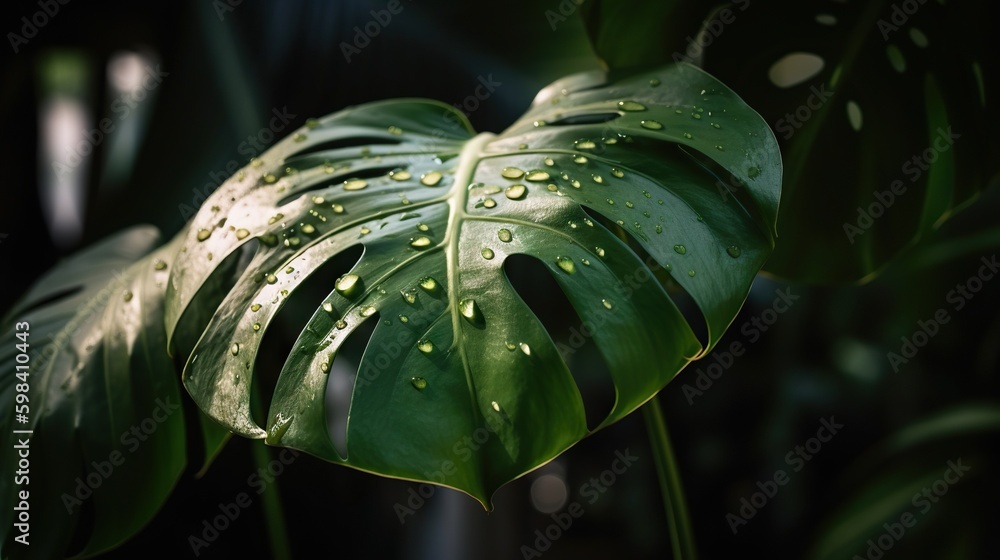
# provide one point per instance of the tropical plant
(648, 194)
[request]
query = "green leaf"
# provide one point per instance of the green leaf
(104, 402)
(456, 352)
(910, 81)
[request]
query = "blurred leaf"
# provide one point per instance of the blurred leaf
(889, 482)
(918, 87)
(104, 401)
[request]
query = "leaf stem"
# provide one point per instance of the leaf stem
(678, 519)
(274, 515)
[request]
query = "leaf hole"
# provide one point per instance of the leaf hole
(535, 284)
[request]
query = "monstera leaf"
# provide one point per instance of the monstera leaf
(438, 209)
(103, 400)
(883, 111)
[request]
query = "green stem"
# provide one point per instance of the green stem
(274, 516)
(681, 536)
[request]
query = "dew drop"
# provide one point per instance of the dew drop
(734, 251)
(688, 135)
(631, 106)
(489, 203)
(487, 253)
(598, 179)
(585, 145)
(469, 309)
(430, 179)
(753, 172)
(395, 130)
(355, 184)
(367, 311)
(159, 265)
(510, 345)
(400, 175)
(256, 326)
(653, 82)
(419, 383)
(425, 346)
(617, 172)
(580, 159)
(691, 273)
(599, 251)
(505, 235)
(527, 352)
(628, 203)
(566, 264)
(127, 296)
(328, 307)
(347, 284)
(255, 307)
(680, 249)
(234, 349)
(271, 279)
(242, 233)
(651, 125)
(308, 229)
(548, 161)
(428, 284)
(337, 209)
(537, 175)
(203, 234)
(409, 296)
(420, 242)
(515, 192)
(511, 173)
(659, 229)
(341, 324)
